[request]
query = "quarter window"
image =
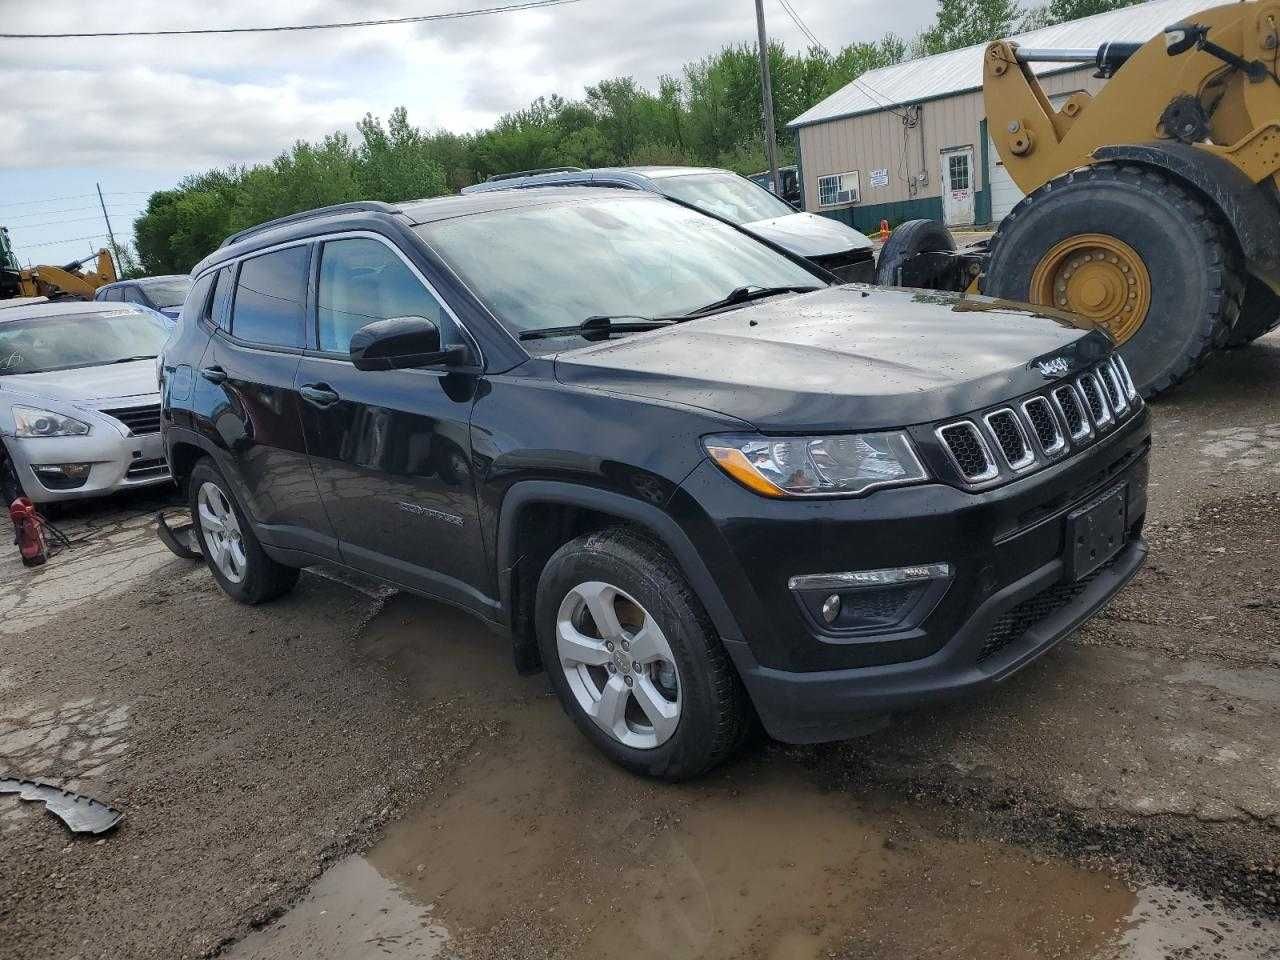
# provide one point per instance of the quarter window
(270, 298)
(838, 188)
(134, 295)
(363, 280)
(111, 295)
(197, 302)
(220, 308)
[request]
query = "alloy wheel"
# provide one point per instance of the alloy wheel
(619, 665)
(221, 531)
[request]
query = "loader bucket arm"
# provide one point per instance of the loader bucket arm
(1037, 142)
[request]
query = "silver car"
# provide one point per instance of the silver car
(830, 244)
(79, 402)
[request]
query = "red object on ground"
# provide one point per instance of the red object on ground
(884, 230)
(28, 532)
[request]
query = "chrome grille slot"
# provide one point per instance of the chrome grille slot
(1115, 391)
(1091, 390)
(968, 451)
(1126, 378)
(1039, 413)
(1072, 411)
(1010, 438)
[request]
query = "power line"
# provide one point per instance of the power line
(861, 84)
(50, 243)
(53, 223)
(114, 205)
(74, 196)
(424, 18)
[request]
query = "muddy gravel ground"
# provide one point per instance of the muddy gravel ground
(352, 773)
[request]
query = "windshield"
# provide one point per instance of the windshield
(42, 344)
(167, 293)
(557, 264)
(726, 195)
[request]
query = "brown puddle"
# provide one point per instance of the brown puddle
(544, 849)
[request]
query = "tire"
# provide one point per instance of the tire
(1196, 277)
(255, 577)
(1259, 315)
(10, 485)
(911, 238)
(708, 716)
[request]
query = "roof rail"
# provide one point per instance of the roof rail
(530, 173)
(377, 206)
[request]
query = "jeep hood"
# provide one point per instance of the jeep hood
(842, 358)
(85, 385)
(809, 235)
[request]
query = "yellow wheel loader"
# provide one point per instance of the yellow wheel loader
(1152, 206)
(68, 282)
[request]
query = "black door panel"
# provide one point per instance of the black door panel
(256, 418)
(392, 457)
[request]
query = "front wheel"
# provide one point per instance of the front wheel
(231, 550)
(634, 659)
(1130, 250)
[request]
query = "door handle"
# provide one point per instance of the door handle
(214, 374)
(319, 394)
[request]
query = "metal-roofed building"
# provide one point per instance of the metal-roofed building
(911, 140)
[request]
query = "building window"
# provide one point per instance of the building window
(958, 171)
(838, 188)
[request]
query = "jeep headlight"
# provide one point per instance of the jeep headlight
(30, 422)
(817, 466)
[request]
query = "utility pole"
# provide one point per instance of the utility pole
(766, 97)
(110, 236)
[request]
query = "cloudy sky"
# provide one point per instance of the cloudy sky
(137, 114)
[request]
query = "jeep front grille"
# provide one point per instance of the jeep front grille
(997, 445)
(968, 451)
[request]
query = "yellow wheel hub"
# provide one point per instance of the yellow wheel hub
(1098, 277)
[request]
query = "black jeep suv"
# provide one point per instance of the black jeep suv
(690, 479)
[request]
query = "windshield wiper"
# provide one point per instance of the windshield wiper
(600, 328)
(144, 356)
(746, 294)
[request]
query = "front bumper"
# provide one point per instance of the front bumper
(1009, 599)
(835, 704)
(117, 463)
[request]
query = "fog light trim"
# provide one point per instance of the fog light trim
(887, 577)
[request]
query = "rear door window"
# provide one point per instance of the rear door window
(111, 295)
(134, 295)
(270, 298)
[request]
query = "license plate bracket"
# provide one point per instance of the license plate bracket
(1096, 532)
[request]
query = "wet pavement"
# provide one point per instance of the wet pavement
(541, 849)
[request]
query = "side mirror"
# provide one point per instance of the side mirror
(402, 343)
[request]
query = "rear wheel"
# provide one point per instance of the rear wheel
(227, 541)
(634, 659)
(1130, 250)
(909, 239)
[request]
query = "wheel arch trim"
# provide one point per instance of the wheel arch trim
(651, 518)
(1256, 226)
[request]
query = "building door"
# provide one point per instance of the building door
(1005, 194)
(957, 186)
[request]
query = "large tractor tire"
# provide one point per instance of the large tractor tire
(1259, 315)
(1131, 250)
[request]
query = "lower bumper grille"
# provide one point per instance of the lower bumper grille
(1013, 625)
(147, 469)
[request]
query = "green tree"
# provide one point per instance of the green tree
(964, 23)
